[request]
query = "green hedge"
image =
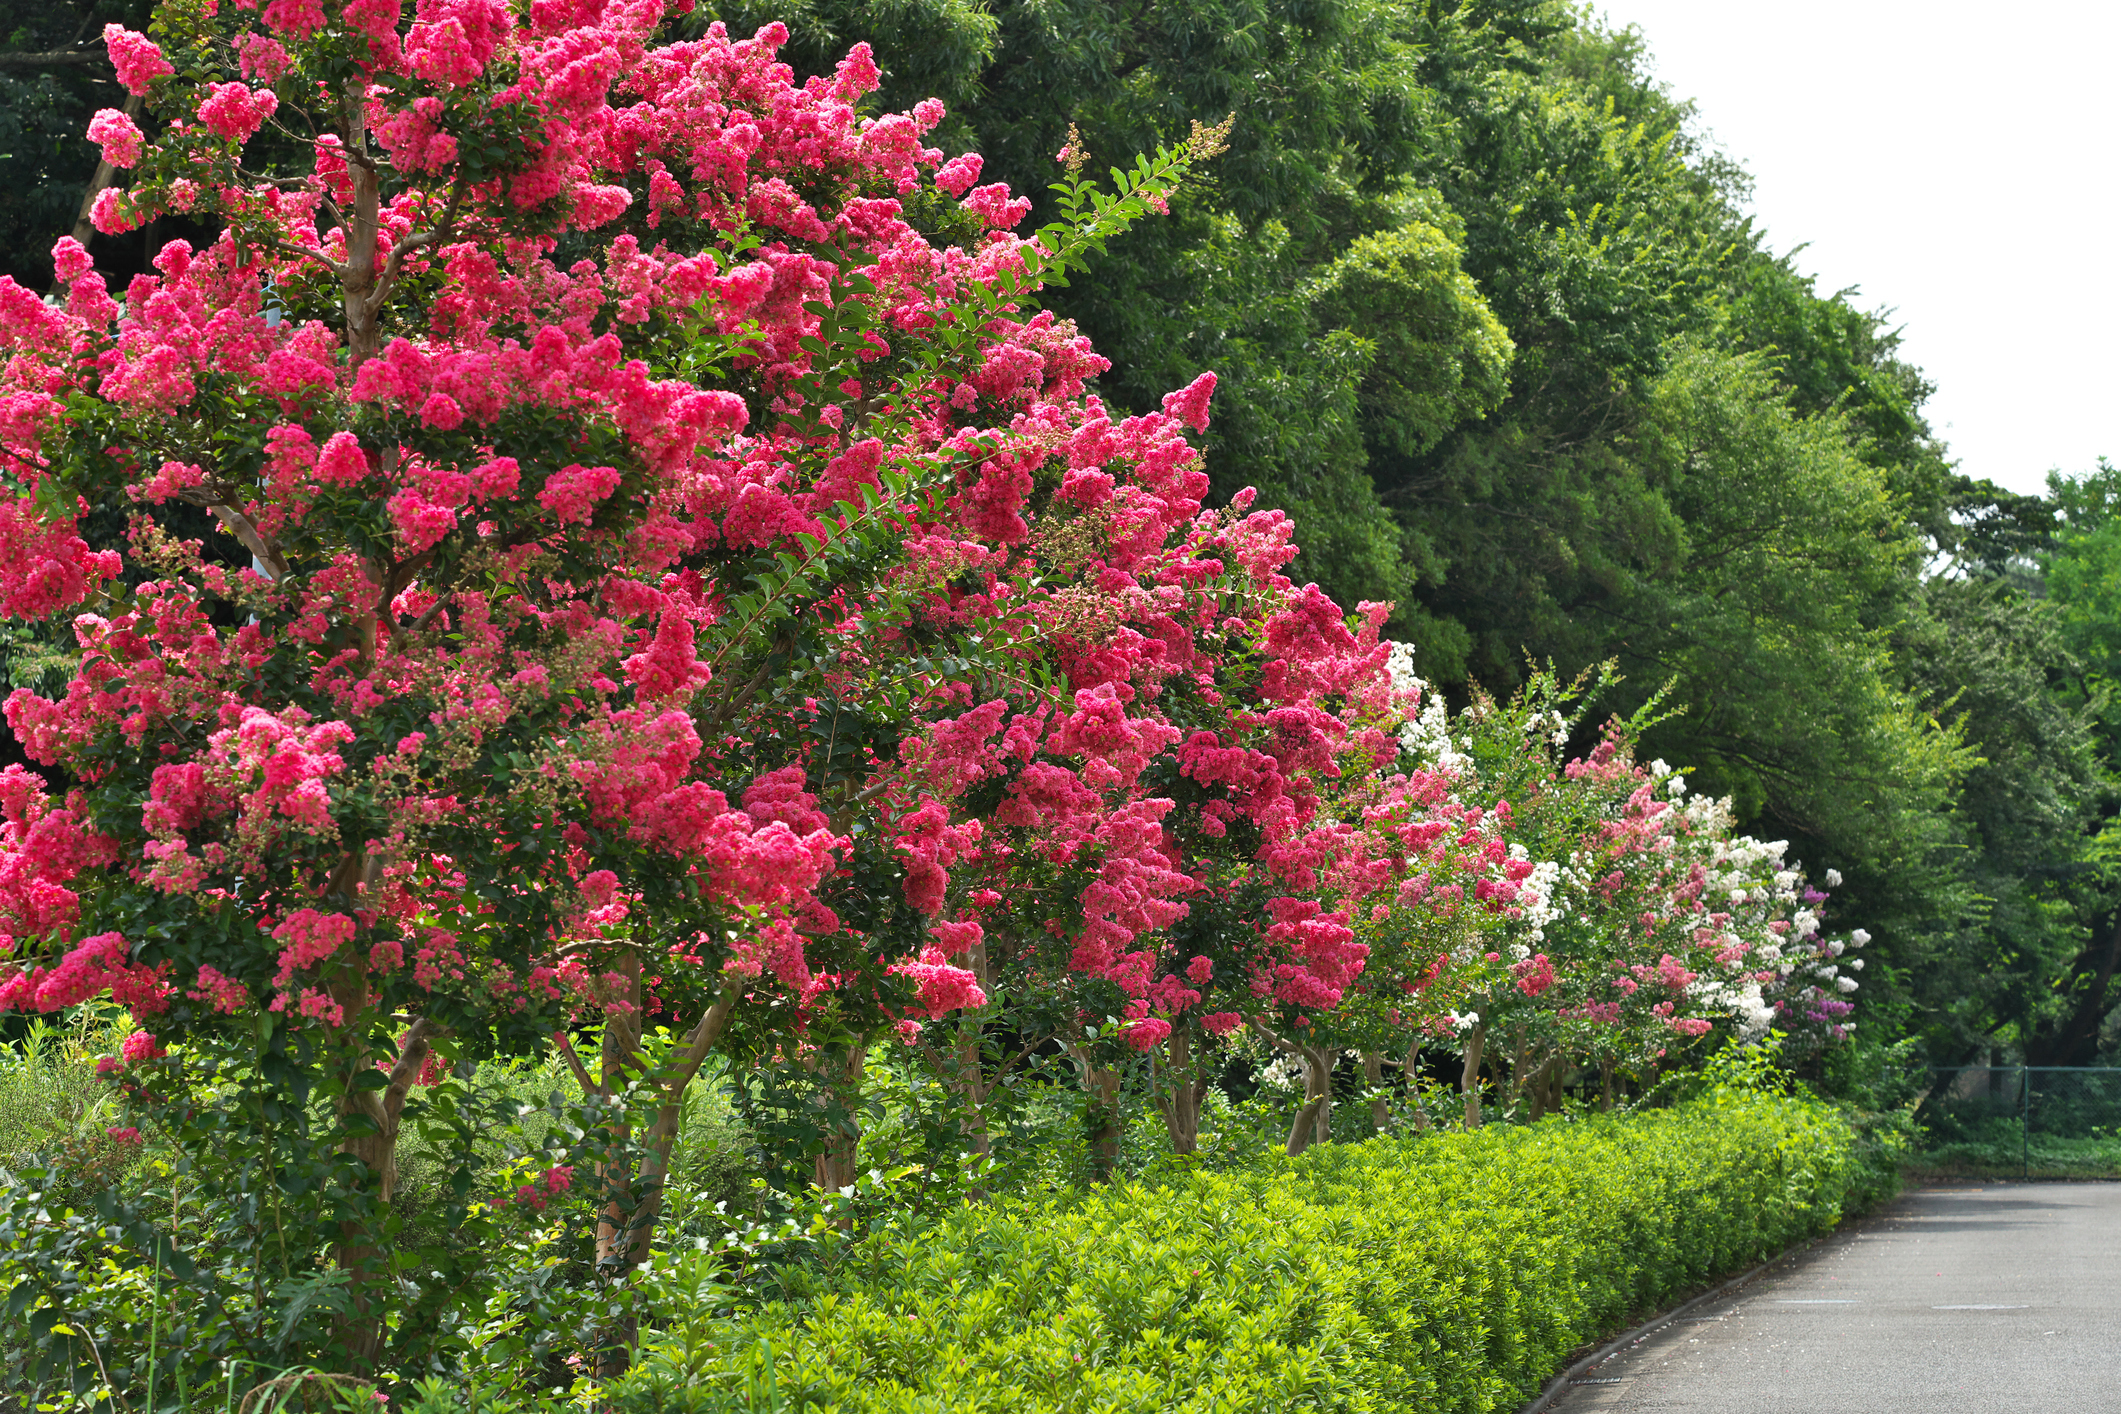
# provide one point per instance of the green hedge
(1451, 1273)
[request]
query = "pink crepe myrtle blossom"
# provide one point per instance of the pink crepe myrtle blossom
(942, 988)
(119, 137)
(548, 1185)
(137, 58)
(235, 112)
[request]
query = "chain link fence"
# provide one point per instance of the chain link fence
(2023, 1121)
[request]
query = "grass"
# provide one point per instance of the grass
(1998, 1147)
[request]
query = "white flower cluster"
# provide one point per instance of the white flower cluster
(1676, 786)
(1399, 666)
(1552, 725)
(1284, 1072)
(1428, 735)
(1542, 897)
(1742, 1000)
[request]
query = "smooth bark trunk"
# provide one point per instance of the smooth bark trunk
(1180, 1098)
(1469, 1081)
(362, 1331)
(1314, 1120)
(1103, 1122)
(375, 1114)
(1541, 1086)
(357, 279)
(1517, 1071)
(1106, 1123)
(971, 1081)
(1411, 1068)
(836, 1167)
(1373, 1076)
(633, 1197)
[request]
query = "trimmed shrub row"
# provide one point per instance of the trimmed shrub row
(1446, 1273)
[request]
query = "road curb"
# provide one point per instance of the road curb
(1559, 1385)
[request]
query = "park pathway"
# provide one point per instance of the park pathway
(1965, 1299)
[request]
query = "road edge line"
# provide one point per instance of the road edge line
(1557, 1386)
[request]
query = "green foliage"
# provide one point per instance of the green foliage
(220, 1237)
(1438, 356)
(1452, 1273)
(1998, 1148)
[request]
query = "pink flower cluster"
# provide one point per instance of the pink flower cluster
(235, 112)
(118, 136)
(548, 1185)
(137, 58)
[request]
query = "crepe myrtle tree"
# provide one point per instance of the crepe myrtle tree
(654, 477)
(1601, 918)
(1217, 833)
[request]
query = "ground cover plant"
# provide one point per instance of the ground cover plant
(603, 686)
(1453, 1274)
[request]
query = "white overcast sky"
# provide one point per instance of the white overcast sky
(1957, 163)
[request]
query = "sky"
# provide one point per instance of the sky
(1961, 165)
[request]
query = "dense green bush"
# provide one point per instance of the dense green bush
(1448, 1273)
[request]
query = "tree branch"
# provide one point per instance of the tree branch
(410, 243)
(68, 58)
(412, 1056)
(440, 603)
(240, 526)
(574, 1063)
(84, 226)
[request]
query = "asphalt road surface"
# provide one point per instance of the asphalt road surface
(1996, 1299)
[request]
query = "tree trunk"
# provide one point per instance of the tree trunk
(1373, 1076)
(618, 1062)
(1314, 1120)
(362, 1331)
(1542, 1083)
(1411, 1069)
(1106, 1124)
(836, 1166)
(1469, 1082)
(374, 1114)
(971, 1080)
(1605, 1072)
(1517, 1071)
(364, 329)
(2077, 1042)
(1103, 1123)
(1180, 1099)
(634, 1198)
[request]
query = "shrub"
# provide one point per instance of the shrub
(1448, 1273)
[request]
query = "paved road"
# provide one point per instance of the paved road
(2004, 1299)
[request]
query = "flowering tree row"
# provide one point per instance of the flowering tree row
(673, 548)
(1537, 918)
(605, 538)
